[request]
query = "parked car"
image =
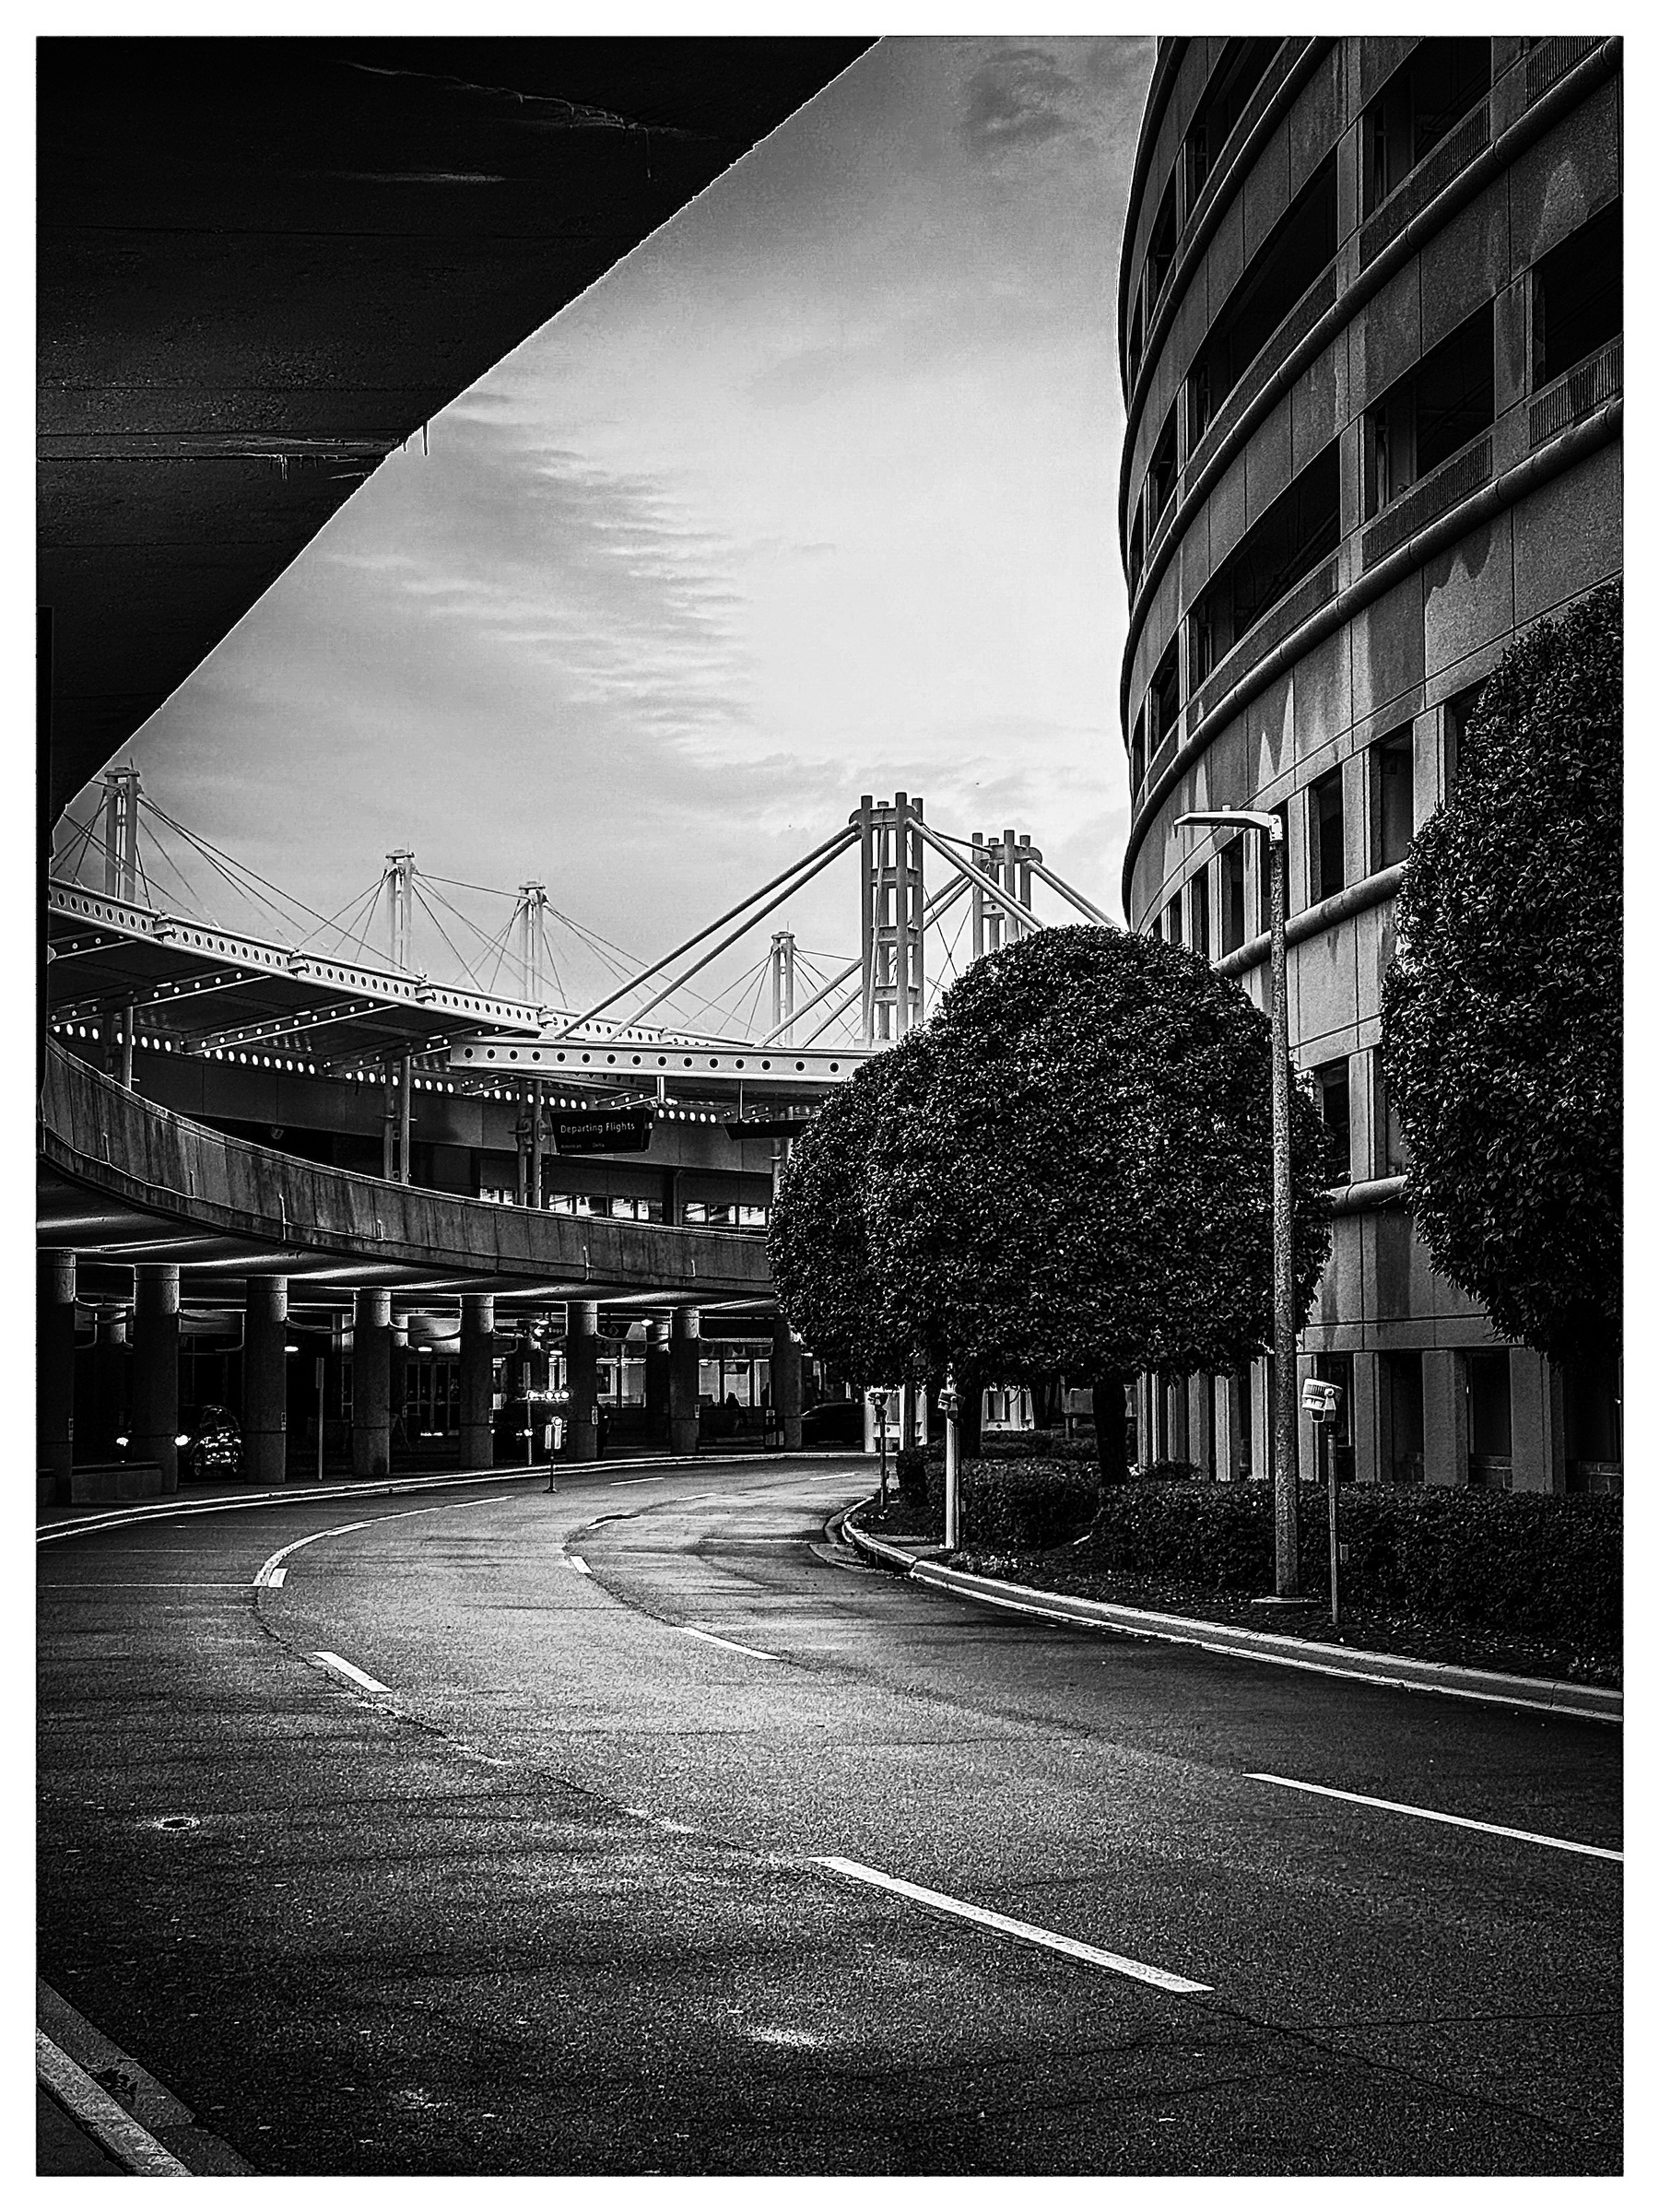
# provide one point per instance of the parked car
(836, 1421)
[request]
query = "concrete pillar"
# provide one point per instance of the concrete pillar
(397, 1381)
(1231, 1442)
(582, 1377)
(787, 1385)
(54, 1370)
(685, 1349)
(1366, 1419)
(1261, 1413)
(1201, 1424)
(156, 1369)
(1536, 1440)
(477, 1379)
(657, 1357)
(371, 1386)
(106, 1412)
(264, 1380)
(1445, 1419)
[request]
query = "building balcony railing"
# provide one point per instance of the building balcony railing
(1462, 472)
(1289, 612)
(1549, 60)
(1589, 384)
(1430, 177)
(1317, 300)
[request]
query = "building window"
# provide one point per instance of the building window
(1578, 295)
(1172, 920)
(1457, 717)
(1338, 1367)
(1137, 755)
(1198, 913)
(1301, 529)
(1161, 254)
(1294, 254)
(1326, 872)
(1394, 1154)
(1486, 1387)
(1243, 66)
(1431, 412)
(1137, 550)
(1392, 770)
(1163, 700)
(1331, 1087)
(1232, 894)
(1400, 1417)
(1429, 92)
(1135, 341)
(1160, 476)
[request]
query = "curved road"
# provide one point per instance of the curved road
(490, 1830)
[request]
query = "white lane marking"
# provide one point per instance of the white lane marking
(574, 1561)
(1421, 1812)
(1024, 1929)
(262, 1580)
(709, 1636)
(131, 2146)
(274, 1580)
(632, 1482)
(337, 1666)
(55, 1531)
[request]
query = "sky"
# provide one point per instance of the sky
(812, 495)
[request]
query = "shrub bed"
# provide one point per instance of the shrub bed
(1029, 1503)
(1533, 1565)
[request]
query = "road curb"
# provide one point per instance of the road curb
(1388, 1670)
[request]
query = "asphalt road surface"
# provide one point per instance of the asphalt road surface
(495, 1831)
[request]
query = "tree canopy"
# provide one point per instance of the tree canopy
(1502, 1021)
(1068, 1169)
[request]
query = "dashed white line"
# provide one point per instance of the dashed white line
(337, 1666)
(1026, 1932)
(632, 1482)
(578, 1565)
(274, 1580)
(1421, 1812)
(727, 1643)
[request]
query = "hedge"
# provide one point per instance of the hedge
(1029, 1503)
(1529, 1563)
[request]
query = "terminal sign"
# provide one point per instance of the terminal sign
(601, 1132)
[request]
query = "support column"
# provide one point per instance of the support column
(582, 1377)
(54, 1370)
(264, 1380)
(685, 1349)
(156, 1369)
(1229, 1444)
(371, 1386)
(786, 1383)
(1366, 1425)
(1445, 1419)
(106, 1414)
(477, 1379)
(1536, 1440)
(657, 1357)
(1260, 1419)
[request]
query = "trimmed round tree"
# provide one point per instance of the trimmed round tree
(827, 1274)
(1072, 1171)
(1501, 1014)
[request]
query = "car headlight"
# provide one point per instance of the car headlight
(124, 1441)
(180, 1441)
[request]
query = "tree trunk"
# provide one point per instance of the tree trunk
(1111, 1431)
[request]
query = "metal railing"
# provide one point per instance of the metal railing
(1587, 385)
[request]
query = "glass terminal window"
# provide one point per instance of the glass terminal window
(1163, 700)
(1331, 1087)
(1232, 894)
(1391, 768)
(1243, 65)
(1300, 528)
(1198, 911)
(1327, 871)
(1161, 475)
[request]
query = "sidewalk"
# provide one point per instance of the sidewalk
(920, 1560)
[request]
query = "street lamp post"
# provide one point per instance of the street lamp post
(1271, 830)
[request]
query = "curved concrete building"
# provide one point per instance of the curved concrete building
(1370, 337)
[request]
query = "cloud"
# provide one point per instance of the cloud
(1020, 99)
